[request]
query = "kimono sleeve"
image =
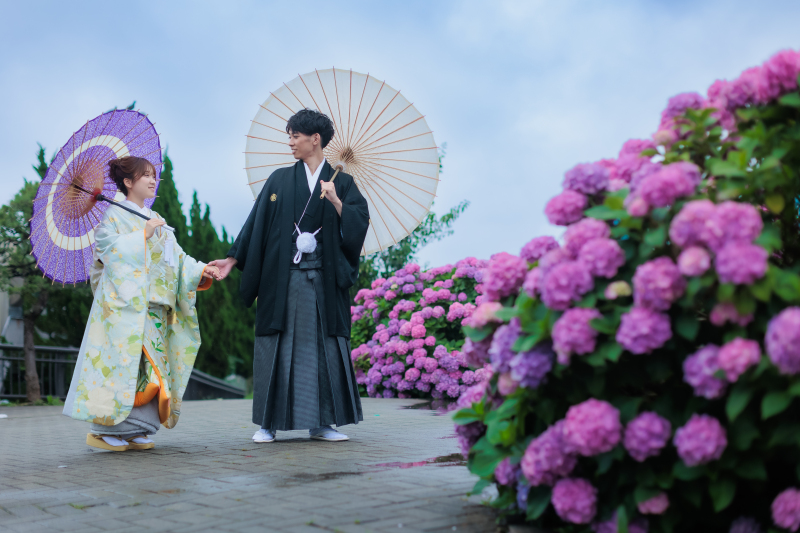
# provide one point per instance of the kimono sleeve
(354, 225)
(123, 255)
(241, 245)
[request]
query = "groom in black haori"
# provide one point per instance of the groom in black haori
(298, 253)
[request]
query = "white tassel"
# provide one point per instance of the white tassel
(306, 244)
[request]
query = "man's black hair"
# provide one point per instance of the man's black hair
(308, 122)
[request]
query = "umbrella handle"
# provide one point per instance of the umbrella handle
(338, 168)
(129, 210)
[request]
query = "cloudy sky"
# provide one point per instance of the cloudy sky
(520, 91)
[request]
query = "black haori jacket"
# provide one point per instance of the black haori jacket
(263, 249)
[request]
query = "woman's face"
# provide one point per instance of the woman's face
(144, 187)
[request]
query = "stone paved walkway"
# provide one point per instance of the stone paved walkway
(207, 475)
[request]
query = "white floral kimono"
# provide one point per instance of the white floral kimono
(142, 336)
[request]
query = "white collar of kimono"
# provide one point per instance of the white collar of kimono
(312, 178)
(142, 210)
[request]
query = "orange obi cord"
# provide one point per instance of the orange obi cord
(163, 399)
(205, 283)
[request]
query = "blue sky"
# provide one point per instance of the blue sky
(519, 91)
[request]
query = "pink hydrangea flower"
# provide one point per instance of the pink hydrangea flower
(658, 504)
(786, 509)
(566, 208)
(592, 427)
(603, 256)
(732, 222)
(505, 473)
(430, 340)
(701, 440)
(735, 357)
(677, 106)
(637, 207)
(646, 435)
(483, 314)
(573, 334)
(575, 500)
(778, 75)
(657, 284)
(390, 295)
(670, 183)
(545, 459)
(504, 275)
(537, 247)
(741, 263)
(587, 178)
(553, 258)
(726, 312)
(699, 371)
(783, 341)
(643, 330)
(694, 261)
(566, 283)
(532, 283)
(418, 331)
(635, 147)
(582, 232)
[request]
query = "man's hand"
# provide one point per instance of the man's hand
(211, 272)
(329, 190)
(224, 266)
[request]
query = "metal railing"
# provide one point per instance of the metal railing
(55, 367)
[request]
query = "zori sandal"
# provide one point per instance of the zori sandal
(147, 445)
(96, 441)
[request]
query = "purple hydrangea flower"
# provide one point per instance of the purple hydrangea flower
(783, 341)
(533, 281)
(635, 147)
(637, 525)
(655, 505)
(586, 178)
(694, 261)
(643, 330)
(745, 524)
(657, 283)
(733, 222)
(592, 427)
(677, 106)
(735, 357)
(553, 258)
(566, 208)
(778, 75)
(582, 232)
(500, 353)
(699, 369)
(529, 369)
(603, 256)
(726, 312)
(646, 435)
(476, 353)
(741, 263)
(505, 473)
(786, 509)
(537, 247)
(573, 334)
(575, 500)
(468, 435)
(671, 182)
(545, 460)
(504, 275)
(566, 283)
(701, 440)
(628, 165)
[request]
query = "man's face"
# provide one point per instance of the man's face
(303, 145)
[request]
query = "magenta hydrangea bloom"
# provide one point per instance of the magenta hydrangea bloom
(504, 275)
(537, 247)
(677, 106)
(778, 75)
(735, 357)
(533, 281)
(586, 178)
(582, 232)
(575, 500)
(646, 435)
(573, 334)
(694, 261)
(603, 256)
(670, 183)
(545, 459)
(553, 258)
(500, 353)
(783, 341)
(726, 312)
(701, 440)
(741, 263)
(566, 208)
(699, 371)
(745, 524)
(483, 314)
(505, 473)
(733, 222)
(635, 147)
(657, 284)
(688, 228)
(786, 509)
(643, 330)
(592, 427)
(566, 283)
(628, 165)
(655, 505)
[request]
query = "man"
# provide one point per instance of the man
(302, 374)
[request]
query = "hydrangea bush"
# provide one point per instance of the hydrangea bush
(408, 334)
(661, 337)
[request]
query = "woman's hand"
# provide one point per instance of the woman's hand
(211, 272)
(223, 266)
(150, 227)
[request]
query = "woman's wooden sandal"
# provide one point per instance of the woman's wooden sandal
(96, 441)
(137, 446)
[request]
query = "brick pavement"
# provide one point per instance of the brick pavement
(207, 475)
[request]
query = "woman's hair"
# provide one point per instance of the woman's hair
(308, 122)
(129, 167)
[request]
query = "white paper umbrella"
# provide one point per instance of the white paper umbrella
(381, 140)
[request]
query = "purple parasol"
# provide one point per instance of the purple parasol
(66, 209)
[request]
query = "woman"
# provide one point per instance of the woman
(142, 336)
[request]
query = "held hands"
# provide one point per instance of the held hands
(223, 267)
(150, 227)
(211, 272)
(329, 190)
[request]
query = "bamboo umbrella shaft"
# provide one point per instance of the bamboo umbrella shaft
(338, 168)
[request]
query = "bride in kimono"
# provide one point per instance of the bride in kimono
(142, 336)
